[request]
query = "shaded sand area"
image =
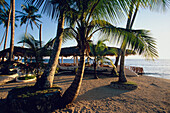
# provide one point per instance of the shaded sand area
(96, 96)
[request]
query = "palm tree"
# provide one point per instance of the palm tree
(149, 42)
(28, 16)
(88, 18)
(32, 44)
(58, 10)
(5, 18)
(98, 52)
(86, 11)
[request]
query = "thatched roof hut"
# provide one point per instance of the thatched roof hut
(66, 52)
(74, 51)
(18, 51)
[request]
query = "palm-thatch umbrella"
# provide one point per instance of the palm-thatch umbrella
(18, 51)
(74, 51)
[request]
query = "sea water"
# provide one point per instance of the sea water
(159, 68)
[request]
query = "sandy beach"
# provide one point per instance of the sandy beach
(96, 96)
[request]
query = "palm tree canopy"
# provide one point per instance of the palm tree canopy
(137, 40)
(29, 15)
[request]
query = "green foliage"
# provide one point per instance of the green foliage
(76, 70)
(29, 91)
(57, 70)
(28, 15)
(126, 83)
(27, 77)
(100, 50)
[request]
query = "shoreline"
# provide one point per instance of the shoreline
(153, 94)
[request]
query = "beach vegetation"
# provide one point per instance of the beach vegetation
(143, 44)
(27, 77)
(85, 18)
(57, 12)
(129, 85)
(99, 52)
(30, 91)
(5, 16)
(28, 16)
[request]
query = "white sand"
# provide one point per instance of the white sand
(96, 96)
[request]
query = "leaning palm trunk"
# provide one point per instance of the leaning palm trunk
(7, 27)
(72, 92)
(47, 78)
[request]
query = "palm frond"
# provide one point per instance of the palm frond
(143, 44)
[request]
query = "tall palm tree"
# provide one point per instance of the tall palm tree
(88, 18)
(5, 18)
(29, 16)
(86, 11)
(57, 10)
(134, 7)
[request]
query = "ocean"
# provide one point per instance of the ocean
(159, 68)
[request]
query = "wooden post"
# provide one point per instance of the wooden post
(61, 59)
(77, 61)
(40, 33)
(18, 58)
(31, 59)
(74, 60)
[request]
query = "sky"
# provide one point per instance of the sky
(157, 22)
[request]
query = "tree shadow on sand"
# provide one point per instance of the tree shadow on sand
(102, 92)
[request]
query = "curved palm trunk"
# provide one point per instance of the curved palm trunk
(72, 92)
(47, 78)
(12, 31)
(7, 27)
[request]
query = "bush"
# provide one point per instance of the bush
(32, 100)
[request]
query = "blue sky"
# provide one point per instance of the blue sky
(157, 22)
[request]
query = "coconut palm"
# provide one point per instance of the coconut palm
(86, 22)
(5, 19)
(57, 10)
(150, 43)
(29, 16)
(84, 15)
(32, 44)
(98, 52)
